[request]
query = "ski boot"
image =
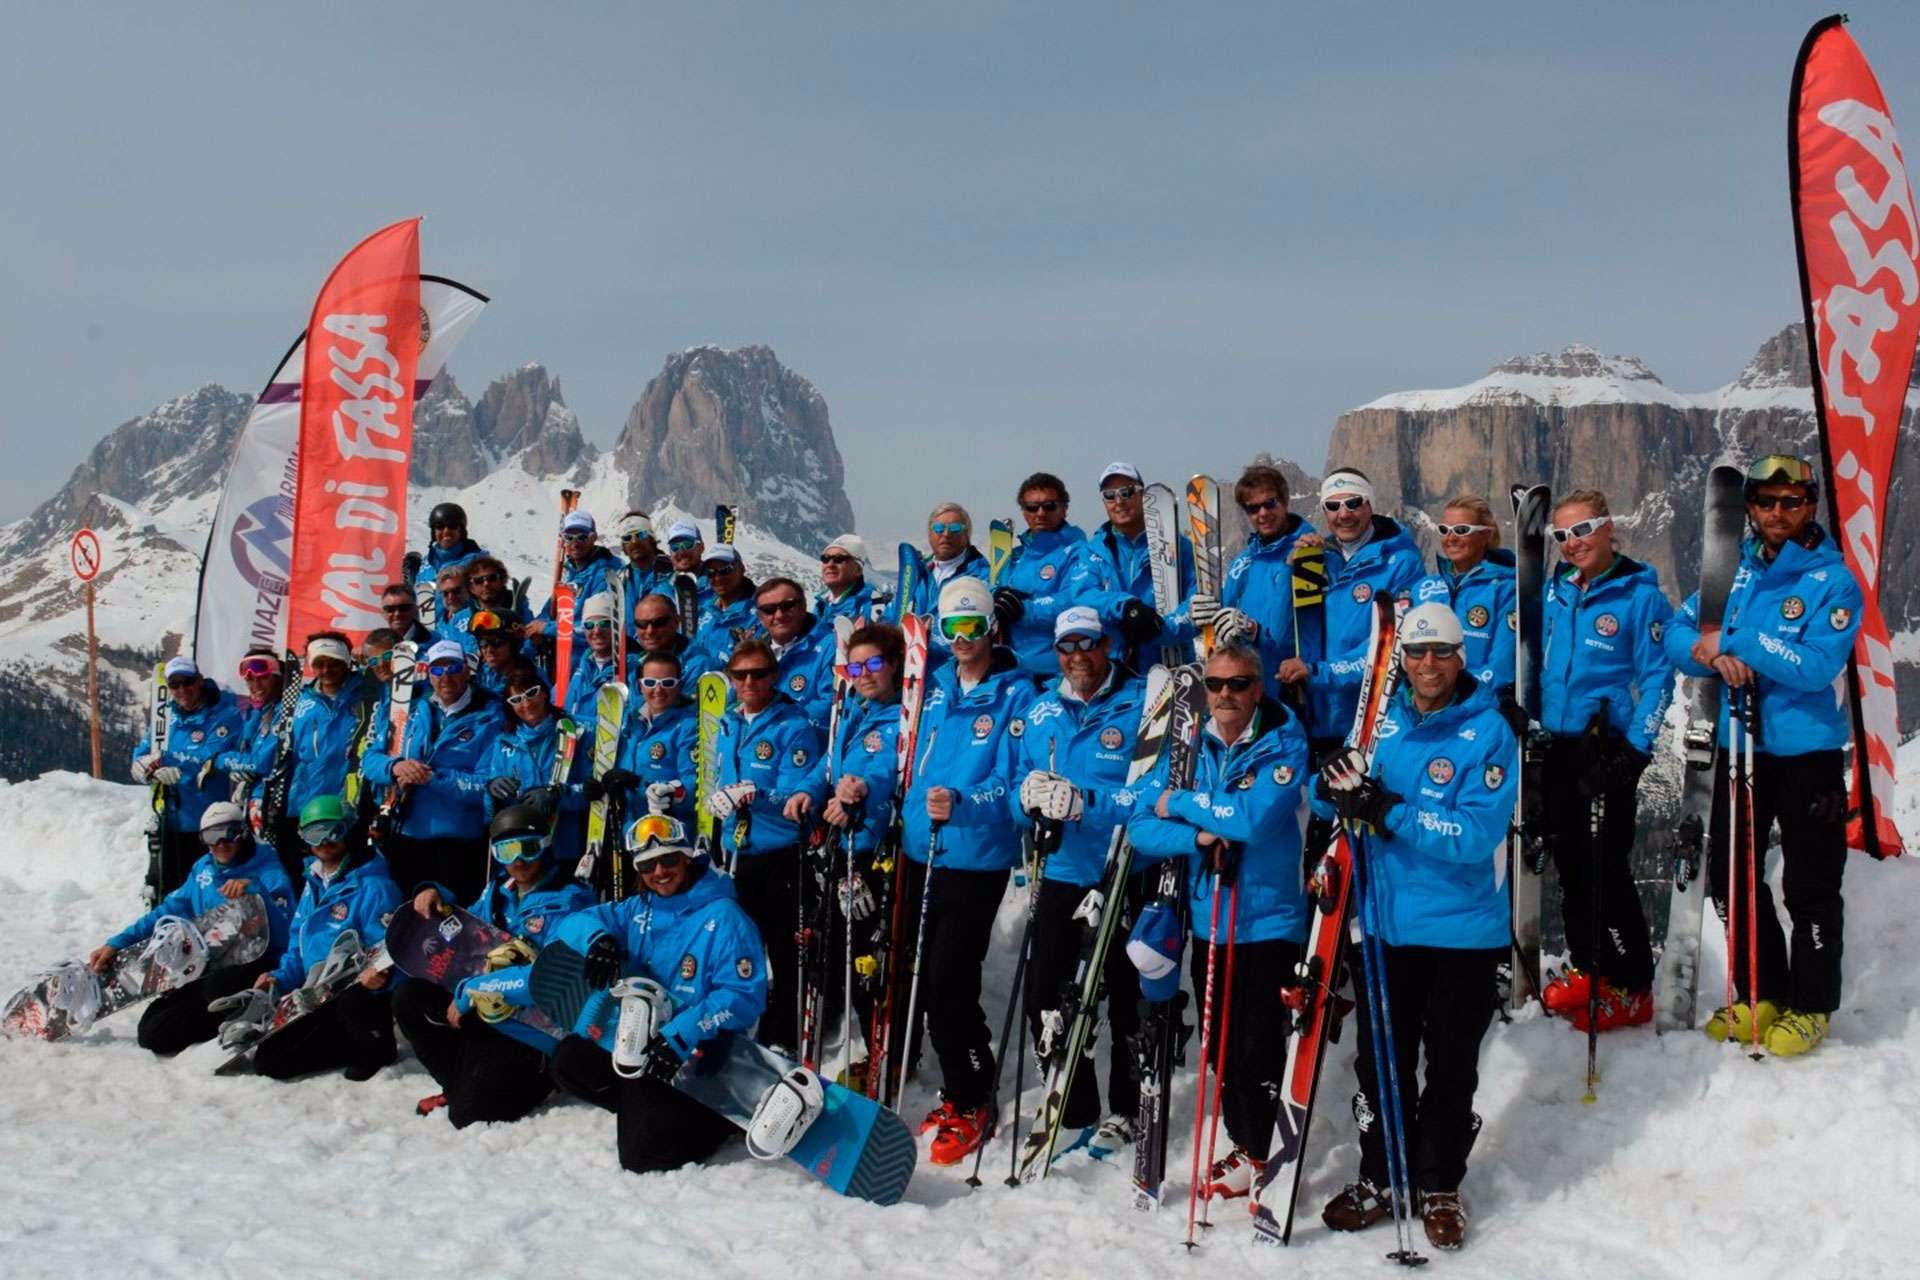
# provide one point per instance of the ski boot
(1734, 1022)
(1446, 1219)
(1794, 1033)
(1616, 1009)
(961, 1134)
(1232, 1176)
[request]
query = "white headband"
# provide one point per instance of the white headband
(1346, 482)
(327, 647)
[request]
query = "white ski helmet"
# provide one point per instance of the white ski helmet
(1431, 623)
(966, 597)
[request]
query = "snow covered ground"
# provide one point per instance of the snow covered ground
(1694, 1162)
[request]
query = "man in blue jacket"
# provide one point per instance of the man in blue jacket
(687, 933)
(203, 722)
(1255, 604)
(1118, 554)
(1051, 570)
(232, 866)
(1789, 625)
(1075, 747)
(804, 644)
(326, 722)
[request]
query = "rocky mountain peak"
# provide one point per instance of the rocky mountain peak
(457, 442)
(1781, 361)
(1577, 360)
(736, 426)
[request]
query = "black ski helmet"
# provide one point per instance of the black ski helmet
(1781, 468)
(519, 831)
(448, 515)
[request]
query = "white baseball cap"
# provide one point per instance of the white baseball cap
(1077, 621)
(181, 666)
(851, 543)
(966, 597)
(578, 522)
(681, 529)
(445, 649)
(1431, 623)
(724, 551)
(1126, 469)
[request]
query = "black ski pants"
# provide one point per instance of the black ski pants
(1807, 796)
(459, 864)
(960, 915)
(353, 1030)
(1606, 928)
(768, 886)
(656, 1126)
(1256, 1022)
(487, 1075)
(1057, 943)
(1442, 1002)
(176, 1019)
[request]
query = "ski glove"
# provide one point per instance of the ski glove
(1354, 793)
(1615, 766)
(856, 899)
(1139, 623)
(1513, 713)
(593, 789)
(724, 801)
(544, 800)
(1048, 795)
(166, 775)
(143, 768)
(1008, 607)
(503, 790)
(620, 779)
(1203, 609)
(663, 1060)
(662, 796)
(600, 967)
(1231, 627)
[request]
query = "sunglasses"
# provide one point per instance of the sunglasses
(1344, 504)
(1416, 652)
(634, 537)
(1585, 529)
(659, 682)
(1784, 501)
(486, 579)
(441, 667)
(1076, 644)
(183, 682)
(532, 693)
(970, 626)
(225, 833)
(252, 668)
(577, 535)
(721, 568)
(864, 667)
(597, 624)
(1049, 505)
(648, 624)
(316, 834)
(836, 559)
(744, 674)
(1219, 684)
(1462, 530)
(1119, 492)
(659, 862)
(514, 848)
(682, 544)
(1265, 504)
(386, 656)
(772, 607)
(657, 832)
(399, 606)
(940, 527)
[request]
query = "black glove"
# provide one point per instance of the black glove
(1613, 765)
(620, 779)
(1367, 803)
(503, 790)
(1008, 607)
(592, 789)
(544, 800)
(600, 967)
(1139, 623)
(663, 1060)
(1222, 859)
(1513, 713)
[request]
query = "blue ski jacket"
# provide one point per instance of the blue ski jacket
(967, 746)
(806, 671)
(252, 747)
(588, 580)
(524, 752)
(1602, 649)
(466, 551)
(1793, 620)
(778, 751)
(654, 578)
(1387, 564)
(360, 897)
(200, 893)
(583, 686)
(1124, 570)
(1253, 793)
(1053, 572)
(452, 804)
(1483, 598)
(323, 732)
(660, 749)
(1437, 874)
(193, 738)
(534, 914)
(715, 641)
(856, 604)
(1259, 583)
(868, 749)
(926, 588)
(1092, 745)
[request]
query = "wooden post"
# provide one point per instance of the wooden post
(93, 679)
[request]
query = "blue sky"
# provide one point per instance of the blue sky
(1027, 236)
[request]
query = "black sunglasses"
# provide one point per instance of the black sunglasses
(772, 607)
(1255, 508)
(1784, 501)
(1219, 684)
(1048, 505)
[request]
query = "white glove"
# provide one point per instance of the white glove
(662, 795)
(1230, 626)
(722, 803)
(856, 899)
(166, 775)
(1048, 795)
(143, 768)
(1203, 608)
(1345, 771)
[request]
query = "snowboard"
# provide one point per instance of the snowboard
(1677, 972)
(340, 970)
(855, 1146)
(452, 946)
(1526, 841)
(71, 997)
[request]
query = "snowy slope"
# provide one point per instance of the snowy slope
(1695, 1162)
(1574, 376)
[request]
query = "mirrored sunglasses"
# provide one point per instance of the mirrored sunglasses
(872, 666)
(966, 626)
(1076, 644)
(441, 667)
(1119, 492)
(939, 527)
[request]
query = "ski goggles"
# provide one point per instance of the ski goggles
(941, 527)
(332, 831)
(1780, 468)
(1584, 529)
(1344, 504)
(441, 667)
(865, 667)
(659, 682)
(259, 664)
(967, 626)
(485, 620)
(520, 846)
(1120, 492)
(1462, 530)
(657, 839)
(223, 833)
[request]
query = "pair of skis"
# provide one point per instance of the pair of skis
(407, 670)
(603, 815)
(813, 927)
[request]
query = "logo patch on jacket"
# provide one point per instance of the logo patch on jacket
(220, 732)
(1046, 572)
(1017, 726)
(742, 966)
(205, 878)
(1839, 619)
(1362, 592)
(871, 742)
(1792, 607)
(1244, 782)
(688, 966)
(657, 752)
(799, 757)
(798, 684)
(982, 726)
(1494, 776)
(1513, 619)
(763, 750)
(466, 735)
(1606, 624)
(198, 735)
(1111, 738)
(536, 923)
(1477, 616)
(1440, 771)
(1655, 630)
(339, 911)
(1282, 774)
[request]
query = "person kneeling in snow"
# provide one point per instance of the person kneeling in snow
(687, 933)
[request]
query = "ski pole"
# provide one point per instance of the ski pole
(1393, 1117)
(1220, 1051)
(911, 1035)
(1596, 824)
(1750, 842)
(1006, 1033)
(1206, 1042)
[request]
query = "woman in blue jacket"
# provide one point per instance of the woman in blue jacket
(1475, 578)
(657, 749)
(1429, 817)
(1604, 683)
